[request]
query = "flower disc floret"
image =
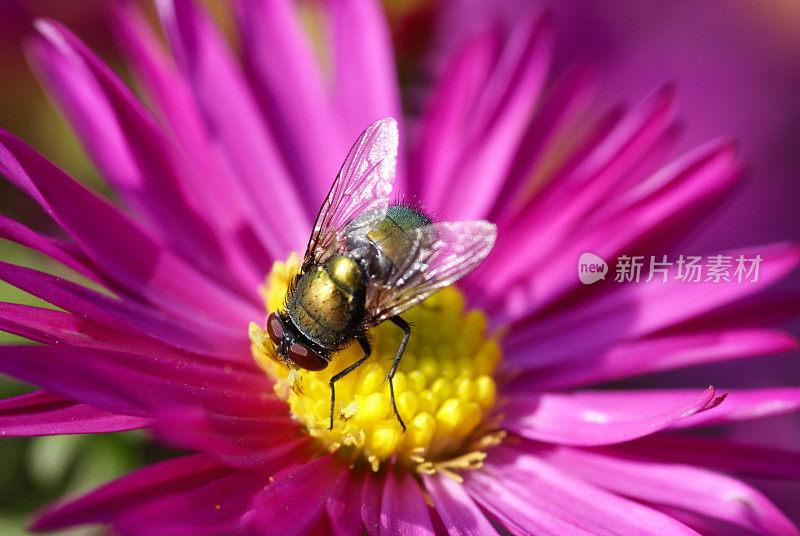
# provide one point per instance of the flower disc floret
(444, 388)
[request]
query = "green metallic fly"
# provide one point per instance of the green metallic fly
(368, 261)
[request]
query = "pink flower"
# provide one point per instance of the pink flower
(226, 176)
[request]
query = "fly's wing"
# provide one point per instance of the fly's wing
(362, 187)
(439, 255)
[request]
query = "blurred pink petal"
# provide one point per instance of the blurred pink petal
(232, 115)
(45, 413)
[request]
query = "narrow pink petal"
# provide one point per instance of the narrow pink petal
(555, 495)
(705, 525)
(118, 315)
(743, 405)
(288, 81)
(212, 508)
(694, 184)
(134, 257)
(129, 147)
(138, 385)
(233, 118)
(151, 482)
(371, 494)
(238, 441)
(458, 511)
(45, 413)
(712, 453)
(364, 71)
(441, 127)
(689, 188)
(602, 417)
(58, 250)
(652, 354)
(573, 193)
(678, 485)
(498, 122)
(567, 99)
(294, 503)
(344, 505)
(221, 506)
(217, 189)
(633, 310)
(517, 512)
(54, 327)
(403, 508)
(218, 506)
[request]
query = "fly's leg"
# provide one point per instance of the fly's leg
(362, 340)
(402, 324)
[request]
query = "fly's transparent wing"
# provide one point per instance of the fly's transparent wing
(439, 255)
(363, 185)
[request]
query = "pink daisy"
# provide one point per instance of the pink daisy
(219, 183)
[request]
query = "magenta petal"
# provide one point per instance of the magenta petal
(237, 440)
(212, 508)
(678, 485)
(676, 199)
(498, 122)
(60, 251)
(209, 179)
(344, 505)
(652, 354)
(712, 453)
(45, 413)
(135, 258)
(441, 127)
(459, 513)
(235, 122)
(130, 148)
(403, 508)
(154, 481)
(558, 211)
(566, 100)
(138, 385)
(121, 316)
(371, 494)
(52, 327)
(288, 81)
(516, 512)
(742, 405)
(365, 82)
(219, 506)
(292, 504)
(602, 417)
(633, 310)
(558, 503)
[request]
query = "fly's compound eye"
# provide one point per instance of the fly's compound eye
(275, 328)
(306, 358)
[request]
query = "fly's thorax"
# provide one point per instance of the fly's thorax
(389, 235)
(327, 303)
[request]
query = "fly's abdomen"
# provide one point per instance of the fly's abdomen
(327, 303)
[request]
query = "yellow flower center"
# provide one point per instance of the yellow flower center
(444, 387)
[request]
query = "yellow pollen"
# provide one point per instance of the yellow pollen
(444, 387)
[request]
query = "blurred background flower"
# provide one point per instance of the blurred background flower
(736, 66)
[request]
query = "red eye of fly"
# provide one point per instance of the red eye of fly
(306, 358)
(275, 328)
